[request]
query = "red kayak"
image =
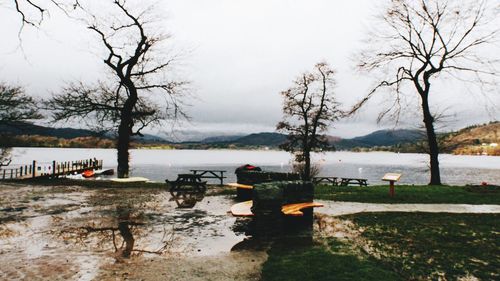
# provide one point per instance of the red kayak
(88, 173)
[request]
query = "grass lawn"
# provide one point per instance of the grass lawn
(398, 246)
(410, 194)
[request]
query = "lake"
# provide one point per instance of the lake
(159, 165)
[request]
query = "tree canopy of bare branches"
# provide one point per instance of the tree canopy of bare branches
(33, 13)
(308, 108)
(140, 92)
(15, 106)
(419, 42)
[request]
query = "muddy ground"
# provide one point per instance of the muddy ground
(77, 233)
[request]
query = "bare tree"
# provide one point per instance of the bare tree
(140, 95)
(33, 13)
(308, 108)
(421, 41)
(15, 106)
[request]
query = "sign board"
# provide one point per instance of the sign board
(391, 177)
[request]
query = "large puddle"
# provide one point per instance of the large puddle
(62, 233)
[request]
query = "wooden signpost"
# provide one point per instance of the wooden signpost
(392, 178)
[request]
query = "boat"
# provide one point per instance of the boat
(107, 172)
(88, 173)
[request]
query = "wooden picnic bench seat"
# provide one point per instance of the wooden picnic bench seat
(243, 209)
(356, 181)
(187, 182)
(327, 180)
(211, 174)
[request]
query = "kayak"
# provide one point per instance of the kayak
(88, 173)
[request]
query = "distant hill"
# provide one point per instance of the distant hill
(478, 139)
(77, 135)
(380, 138)
(225, 138)
(262, 139)
(21, 128)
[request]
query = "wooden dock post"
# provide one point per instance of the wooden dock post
(54, 169)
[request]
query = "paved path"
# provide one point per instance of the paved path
(345, 208)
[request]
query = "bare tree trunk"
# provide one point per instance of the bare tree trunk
(124, 132)
(122, 147)
(307, 165)
(432, 141)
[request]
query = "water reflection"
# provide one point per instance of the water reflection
(294, 231)
(187, 198)
(120, 233)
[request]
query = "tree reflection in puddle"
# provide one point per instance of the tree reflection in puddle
(122, 232)
(293, 232)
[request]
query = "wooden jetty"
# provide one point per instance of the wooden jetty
(50, 170)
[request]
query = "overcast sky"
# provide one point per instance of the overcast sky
(242, 53)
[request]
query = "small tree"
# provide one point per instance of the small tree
(15, 106)
(421, 41)
(308, 108)
(140, 95)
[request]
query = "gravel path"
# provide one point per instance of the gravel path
(334, 208)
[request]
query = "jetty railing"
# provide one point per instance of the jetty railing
(52, 169)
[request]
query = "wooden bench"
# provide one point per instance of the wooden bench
(187, 182)
(244, 209)
(356, 181)
(327, 180)
(211, 174)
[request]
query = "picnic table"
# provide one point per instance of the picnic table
(358, 181)
(327, 180)
(187, 182)
(211, 174)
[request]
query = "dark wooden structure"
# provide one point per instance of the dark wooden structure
(190, 182)
(355, 181)
(50, 170)
(327, 180)
(211, 174)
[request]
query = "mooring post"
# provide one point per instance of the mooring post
(54, 169)
(34, 169)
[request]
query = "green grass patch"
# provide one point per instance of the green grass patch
(419, 245)
(409, 194)
(317, 262)
(396, 246)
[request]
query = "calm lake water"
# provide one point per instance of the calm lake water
(159, 165)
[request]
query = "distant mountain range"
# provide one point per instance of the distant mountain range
(471, 140)
(27, 129)
(273, 140)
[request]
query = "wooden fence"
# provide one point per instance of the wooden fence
(50, 170)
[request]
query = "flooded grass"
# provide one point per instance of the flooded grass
(81, 233)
